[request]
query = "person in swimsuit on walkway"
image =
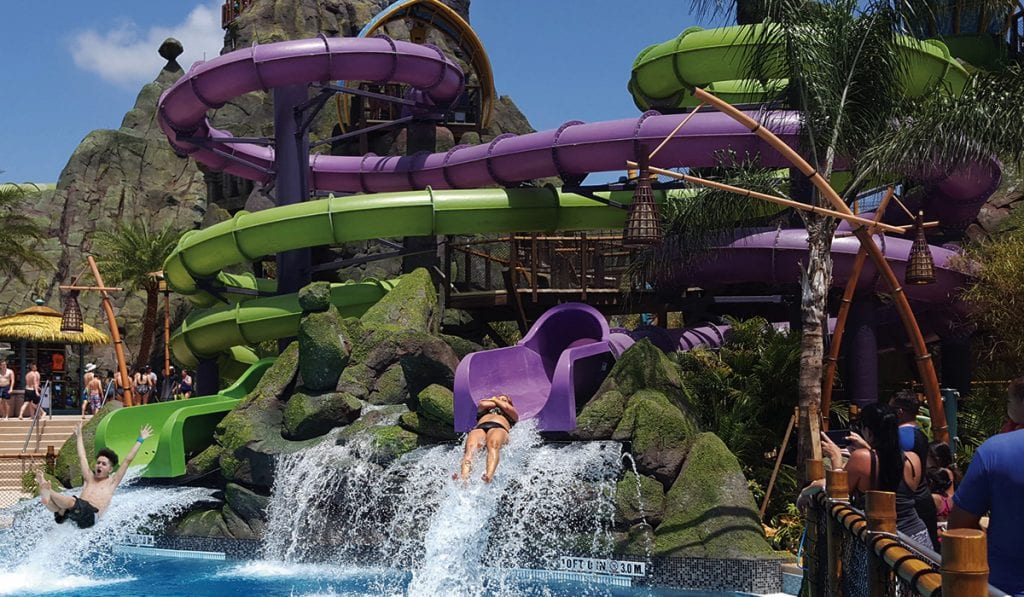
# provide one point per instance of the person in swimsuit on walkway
(98, 488)
(6, 385)
(185, 385)
(495, 417)
(93, 399)
(32, 392)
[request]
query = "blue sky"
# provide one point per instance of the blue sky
(70, 67)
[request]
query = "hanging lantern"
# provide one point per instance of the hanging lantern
(71, 318)
(643, 223)
(920, 265)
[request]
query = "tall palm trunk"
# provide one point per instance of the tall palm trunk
(148, 325)
(815, 281)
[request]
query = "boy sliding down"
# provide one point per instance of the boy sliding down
(98, 487)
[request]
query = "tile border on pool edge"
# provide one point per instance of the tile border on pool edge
(759, 576)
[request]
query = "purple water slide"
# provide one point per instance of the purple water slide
(573, 149)
(562, 359)
(774, 257)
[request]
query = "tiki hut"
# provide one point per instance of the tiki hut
(35, 336)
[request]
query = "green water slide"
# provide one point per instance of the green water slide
(182, 428)
(201, 255)
(717, 59)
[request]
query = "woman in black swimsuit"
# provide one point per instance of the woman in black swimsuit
(495, 417)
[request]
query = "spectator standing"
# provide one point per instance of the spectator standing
(994, 485)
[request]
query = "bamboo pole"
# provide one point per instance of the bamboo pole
(880, 509)
(674, 131)
(721, 186)
(925, 365)
(837, 485)
(832, 360)
(964, 563)
(115, 335)
(778, 461)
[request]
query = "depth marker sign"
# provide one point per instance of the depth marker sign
(597, 566)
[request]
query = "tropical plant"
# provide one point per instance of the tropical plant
(18, 235)
(996, 294)
(131, 254)
(744, 393)
(846, 67)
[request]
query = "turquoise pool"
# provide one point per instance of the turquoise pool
(159, 576)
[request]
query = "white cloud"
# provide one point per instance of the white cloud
(126, 56)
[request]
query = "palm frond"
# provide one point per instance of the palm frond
(939, 132)
(130, 253)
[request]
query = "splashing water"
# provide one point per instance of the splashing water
(48, 557)
(331, 503)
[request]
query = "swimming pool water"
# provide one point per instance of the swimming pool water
(158, 576)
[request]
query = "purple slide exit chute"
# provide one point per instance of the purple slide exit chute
(564, 355)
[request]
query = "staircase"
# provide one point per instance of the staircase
(14, 463)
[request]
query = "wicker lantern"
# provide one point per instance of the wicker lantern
(920, 266)
(643, 224)
(71, 318)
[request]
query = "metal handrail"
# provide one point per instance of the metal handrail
(43, 391)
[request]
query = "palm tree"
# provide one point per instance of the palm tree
(18, 235)
(846, 69)
(131, 254)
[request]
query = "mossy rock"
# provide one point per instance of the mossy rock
(204, 462)
(390, 387)
(424, 359)
(323, 350)
(378, 417)
(356, 380)
(639, 498)
(309, 415)
(315, 297)
(427, 427)
(250, 435)
(203, 523)
(437, 403)
(709, 510)
(660, 434)
(600, 416)
(277, 382)
(353, 329)
(645, 367)
(245, 512)
(411, 305)
(461, 346)
(639, 540)
(67, 468)
(238, 527)
(391, 442)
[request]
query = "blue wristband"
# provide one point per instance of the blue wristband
(140, 439)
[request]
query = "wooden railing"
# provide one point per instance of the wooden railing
(538, 263)
(846, 548)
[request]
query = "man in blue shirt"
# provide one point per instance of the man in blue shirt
(995, 485)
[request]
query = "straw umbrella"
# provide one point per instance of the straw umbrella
(40, 324)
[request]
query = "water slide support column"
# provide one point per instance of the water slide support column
(861, 380)
(925, 365)
(421, 135)
(291, 147)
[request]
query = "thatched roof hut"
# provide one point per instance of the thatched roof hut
(42, 324)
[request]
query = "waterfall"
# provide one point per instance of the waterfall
(332, 503)
(44, 556)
